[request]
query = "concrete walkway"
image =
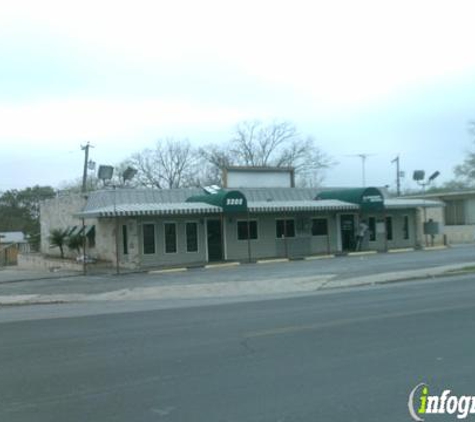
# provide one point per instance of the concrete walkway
(226, 289)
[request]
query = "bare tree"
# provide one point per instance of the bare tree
(276, 144)
(171, 164)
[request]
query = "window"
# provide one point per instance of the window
(91, 236)
(149, 239)
(170, 237)
(454, 213)
(389, 228)
(191, 237)
(405, 228)
(319, 227)
(242, 230)
(284, 228)
(125, 240)
(372, 229)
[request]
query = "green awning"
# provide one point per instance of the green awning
(230, 201)
(369, 199)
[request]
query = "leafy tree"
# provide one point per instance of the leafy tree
(57, 239)
(20, 210)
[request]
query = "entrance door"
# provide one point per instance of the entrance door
(347, 224)
(215, 240)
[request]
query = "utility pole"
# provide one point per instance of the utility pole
(398, 176)
(85, 148)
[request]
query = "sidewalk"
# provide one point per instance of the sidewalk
(227, 289)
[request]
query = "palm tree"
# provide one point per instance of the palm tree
(57, 239)
(75, 243)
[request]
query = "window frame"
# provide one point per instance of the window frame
(327, 229)
(406, 231)
(165, 223)
(125, 239)
(389, 228)
(254, 220)
(285, 228)
(197, 236)
(154, 225)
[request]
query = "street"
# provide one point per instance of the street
(351, 355)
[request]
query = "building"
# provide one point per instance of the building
(12, 243)
(162, 228)
(456, 218)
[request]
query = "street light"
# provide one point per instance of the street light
(105, 173)
(419, 176)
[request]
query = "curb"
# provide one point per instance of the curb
(169, 270)
(363, 253)
(316, 257)
(271, 261)
(401, 250)
(224, 265)
(434, 248)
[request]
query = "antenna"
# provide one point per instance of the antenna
(363, 165)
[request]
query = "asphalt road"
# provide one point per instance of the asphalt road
(340, 356)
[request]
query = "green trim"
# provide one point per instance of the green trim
(369, 199)
(230, 201)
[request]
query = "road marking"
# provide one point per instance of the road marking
(346, 321)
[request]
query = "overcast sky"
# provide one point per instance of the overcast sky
(374, 77)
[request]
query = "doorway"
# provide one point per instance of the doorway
(215, 240)
(347, 229)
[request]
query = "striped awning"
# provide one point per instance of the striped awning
(135, 210)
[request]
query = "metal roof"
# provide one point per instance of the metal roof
(309, 205)
(142, 202)
(395, 203)
(129, 210)
(12, 237)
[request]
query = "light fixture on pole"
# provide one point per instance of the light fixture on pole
(419, 176)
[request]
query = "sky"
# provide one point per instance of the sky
(382, 78)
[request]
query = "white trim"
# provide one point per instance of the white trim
(339, 247)
(197, 223)
(245, 221)
(165, 238)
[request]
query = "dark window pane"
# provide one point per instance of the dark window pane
(372, 229)
(191, 237)
(284, 228)
(149, 238)
(290, 228)
(242, 230)
(279, 228)
(125, 245)
(405, 227)
(319, 227)
(170, 237)
(389, 228)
